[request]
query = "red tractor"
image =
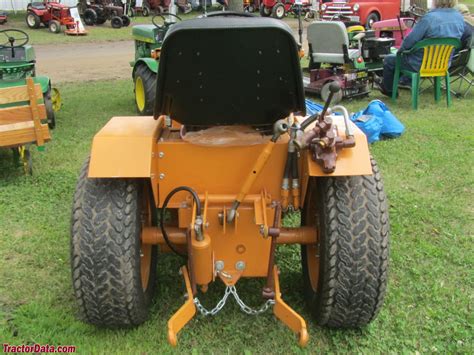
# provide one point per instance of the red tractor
(280, 8)
(3, 18)
(53, 15)
(146, 7)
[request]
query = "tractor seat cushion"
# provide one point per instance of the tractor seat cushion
(334, 58)
(229, 71)
(327, 40)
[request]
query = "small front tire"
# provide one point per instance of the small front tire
(125, 20)
(116, 22)
(54, 26)
(145, 89)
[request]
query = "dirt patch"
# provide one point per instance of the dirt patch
(85, 61)
(99, 60)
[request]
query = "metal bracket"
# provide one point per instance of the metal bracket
(287, 315)
(184, 314)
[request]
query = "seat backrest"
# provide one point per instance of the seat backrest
(327, 40)
(21, 115)
(436, 56)
(229, 71)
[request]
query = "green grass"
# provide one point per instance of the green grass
(429, 181)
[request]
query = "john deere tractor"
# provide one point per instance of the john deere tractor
(17, 62)
(148, 41)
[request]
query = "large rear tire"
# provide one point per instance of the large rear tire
(113, 274)
(265, 11)
(278, 11)
(32, 20)
(145, 89)
(345, 275)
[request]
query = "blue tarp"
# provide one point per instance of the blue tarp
(376, 121)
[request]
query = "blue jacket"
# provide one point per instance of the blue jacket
(437, 23)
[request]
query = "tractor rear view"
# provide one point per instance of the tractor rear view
(209, 177)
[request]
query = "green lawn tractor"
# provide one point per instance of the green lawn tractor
(27, 102)
(17, 62)
(148, 41)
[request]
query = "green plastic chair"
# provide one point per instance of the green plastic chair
(436, 55)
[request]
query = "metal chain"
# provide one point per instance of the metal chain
(231, 290)
(248, 309)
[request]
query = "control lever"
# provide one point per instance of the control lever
(334, 88)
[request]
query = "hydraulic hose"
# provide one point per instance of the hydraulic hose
(163, 210)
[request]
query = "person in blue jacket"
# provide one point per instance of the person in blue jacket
(442, 22)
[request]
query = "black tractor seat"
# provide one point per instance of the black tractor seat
(229, 71)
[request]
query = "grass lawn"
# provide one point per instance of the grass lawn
(429, 305)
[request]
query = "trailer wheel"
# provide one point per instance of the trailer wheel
(278, 11)
(145, 89)
(32, 20)
(337, 97)
(265, 11)
(48, 104)
(116, 22)
(54, 26)
(113, 274)
(371, 19)
(90, 17)
(345, 274)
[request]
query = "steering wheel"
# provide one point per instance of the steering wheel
(13, 36)
(229, 13)
(162, 16)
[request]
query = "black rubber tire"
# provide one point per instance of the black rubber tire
(278, 11)
(146, 11)
(105, 252)
(54, 26)
(373, 17)
(32, 20)
(90, 17)
(125, 20)
(48, 104)
(352, 215)
(336, 98)
(100, 20)
(264, 11)
(116, 22)
(149, 84)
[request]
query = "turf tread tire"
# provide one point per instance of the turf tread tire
(105, 252)
(354, 251)
(149, 84)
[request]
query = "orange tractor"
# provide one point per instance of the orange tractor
(209, 177)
